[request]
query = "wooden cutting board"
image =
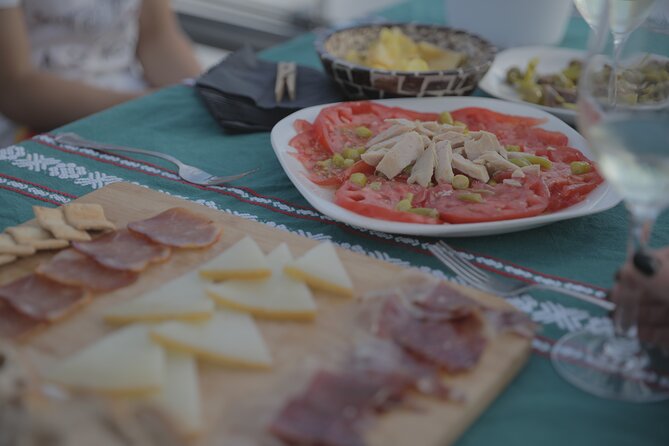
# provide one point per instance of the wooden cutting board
(239, 402)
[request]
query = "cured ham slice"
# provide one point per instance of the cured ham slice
(15, 325)
(178, 227)
(381, 357)
(332, 408)
(444, 302)
(452, 345)
(511, 321)
(123, 250)
(71, 267)
(42, 298)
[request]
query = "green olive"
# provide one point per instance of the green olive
(403, 205)
(471, 197)
(513, 148)
(580, 167)
(363, 132)
(445, 118)
(428, 212)
(520, 162)
(540, 160)
(513, 75)
(460, 182)
(376, 185)
(348, 163)
(359, 178)
(351, 154)
(338, 160)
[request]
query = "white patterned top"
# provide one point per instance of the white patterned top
(93, 41)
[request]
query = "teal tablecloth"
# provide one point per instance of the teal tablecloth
(538, 408)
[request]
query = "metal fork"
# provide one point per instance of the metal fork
(504, 287)
(187, 172)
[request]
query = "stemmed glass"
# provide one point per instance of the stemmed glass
(623, 111)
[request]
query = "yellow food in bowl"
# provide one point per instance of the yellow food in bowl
(394, 50)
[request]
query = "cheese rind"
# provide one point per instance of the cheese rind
(279, 297)
(321, 268)
(228, 338)
(181, 299)
(123, 363)
(243, 260)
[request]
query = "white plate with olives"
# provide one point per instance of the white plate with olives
(561, 64)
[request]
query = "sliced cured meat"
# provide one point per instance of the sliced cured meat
(331, 409)
(178, 227)
(124, 250)
(452, 345)
(71, 267)
(445, 302)
(15, 325)
(42, 298)
(300, 424)
(511, 321)
(383, 358)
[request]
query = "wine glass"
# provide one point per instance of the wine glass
(623, 111)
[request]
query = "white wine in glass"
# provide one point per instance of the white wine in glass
(623, 111)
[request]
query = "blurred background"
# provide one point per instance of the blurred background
(220, 26)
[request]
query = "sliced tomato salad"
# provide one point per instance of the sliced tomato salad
(335, 127)
(379, 199)
(498, 202)
(336, 131)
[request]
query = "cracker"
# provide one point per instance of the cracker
(87, 216)
(6, 258)
(53, 220)
(37, 237)
(9, 246)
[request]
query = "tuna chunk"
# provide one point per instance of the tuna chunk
(469, 168)
(403, 153)
(443, 172)
(482, 142)
(422, 171)
(495, 162)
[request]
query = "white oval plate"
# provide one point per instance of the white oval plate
(321, 198)
(551, 60)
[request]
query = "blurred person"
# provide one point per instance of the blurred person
(61, 60)
(647, 273)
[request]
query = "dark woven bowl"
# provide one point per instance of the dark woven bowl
(359, 82)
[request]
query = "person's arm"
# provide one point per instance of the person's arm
(40, 100)
(163, 50)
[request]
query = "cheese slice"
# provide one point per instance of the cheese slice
(243, 260)
(180, 394)
(279, 297)
(123, 363)
(321, 268)
(228, 338)
(180, 299)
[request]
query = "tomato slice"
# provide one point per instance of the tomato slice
(501, 202)
(380, 202)
(567, 189)
(334, 128)
(510, 129)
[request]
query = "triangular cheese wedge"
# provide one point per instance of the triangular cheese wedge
(180, 299)
(228, 338)
(124, 362)
(279, 297)
(180, 394)
(321, 268)
(243, 260)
